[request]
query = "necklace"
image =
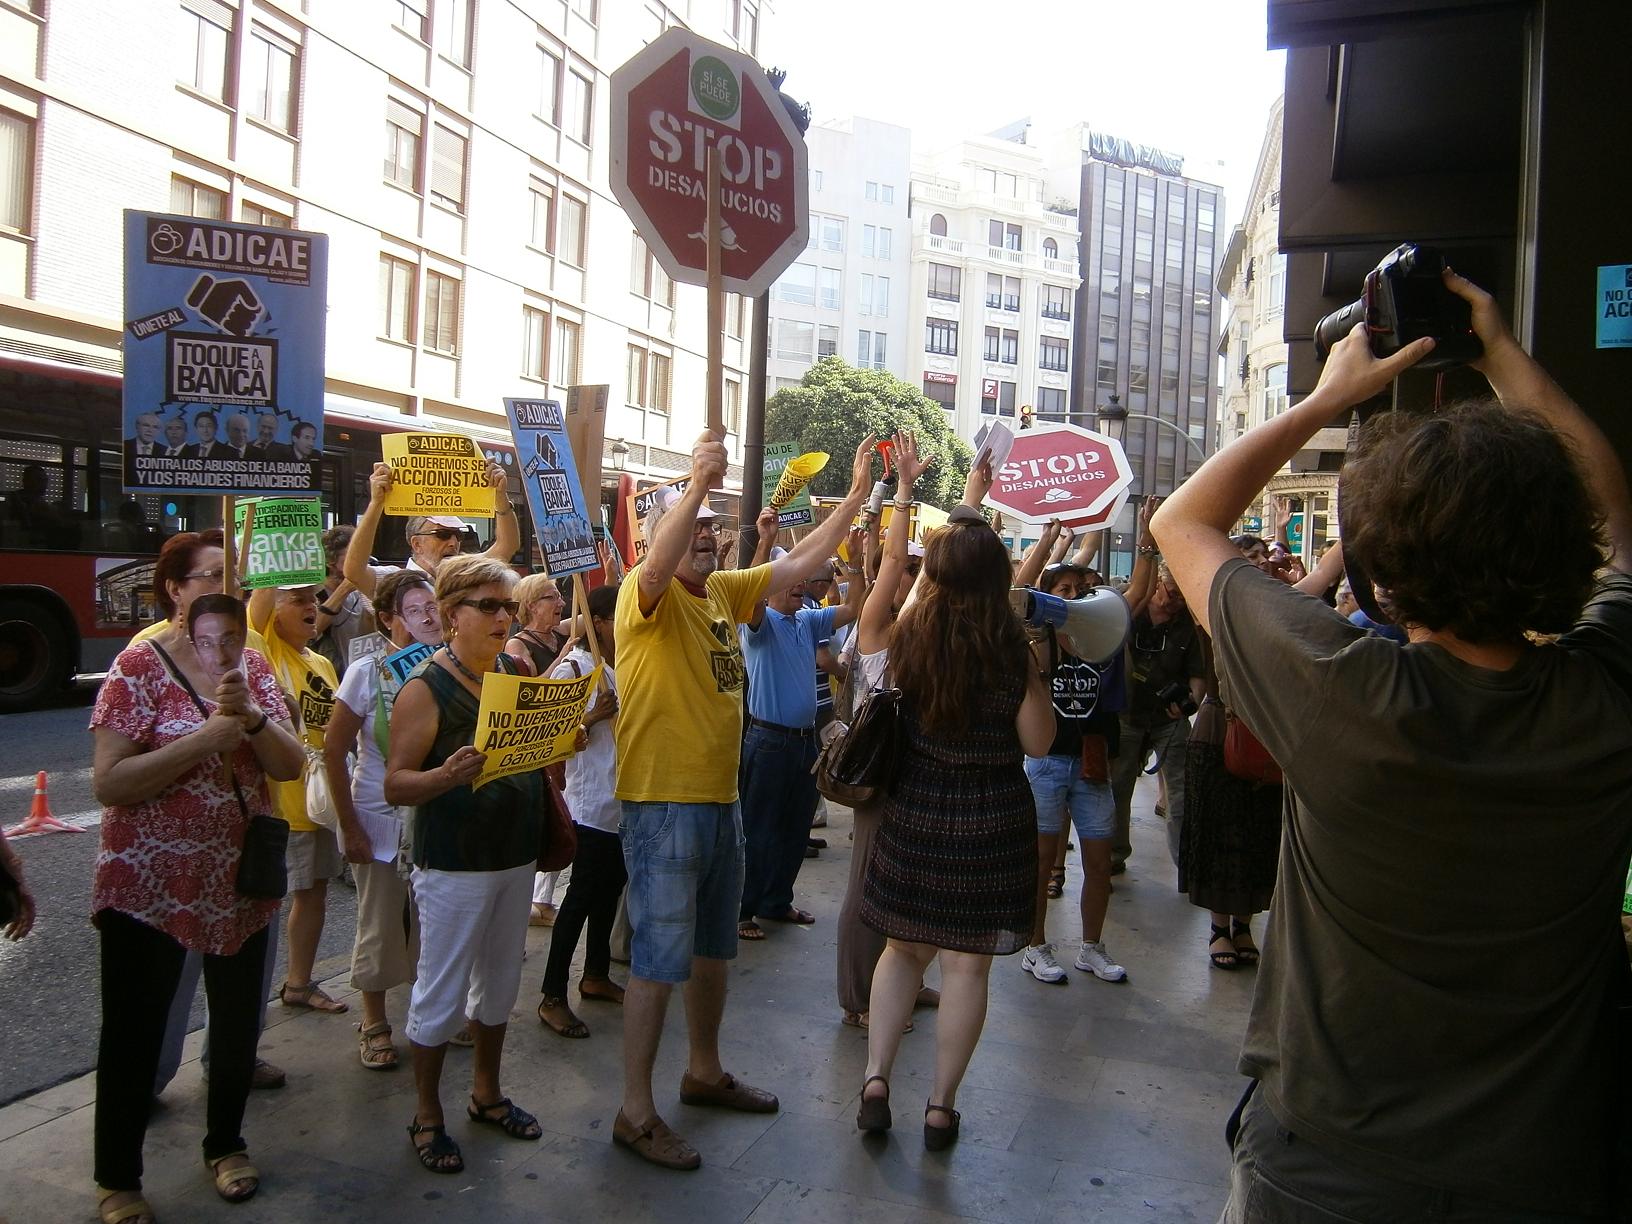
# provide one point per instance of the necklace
(462, 669)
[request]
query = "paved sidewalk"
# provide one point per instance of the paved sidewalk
(1090, 1101)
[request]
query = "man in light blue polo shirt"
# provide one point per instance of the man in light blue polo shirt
(777, 788)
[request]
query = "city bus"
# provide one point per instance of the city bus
(77, 554)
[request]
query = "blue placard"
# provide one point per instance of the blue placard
(223, 356)
(1615, 306)
(403, 662)
(560, 516)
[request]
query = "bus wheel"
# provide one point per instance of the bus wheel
(33, 654)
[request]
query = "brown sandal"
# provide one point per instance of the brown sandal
(656, 1142)
(1056, 882)
(374, 1047)
(310, 996)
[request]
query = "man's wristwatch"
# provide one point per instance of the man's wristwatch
(1149, 550)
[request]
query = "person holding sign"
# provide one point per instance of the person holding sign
(474, 856)
(386, 946)
(432, 540)
(679, 739)
(287, 619)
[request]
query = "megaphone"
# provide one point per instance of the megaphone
(1097, 624)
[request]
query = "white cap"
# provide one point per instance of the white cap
(914, 549)
(669, 496)
(447, 520)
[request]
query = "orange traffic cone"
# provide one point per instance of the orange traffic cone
(40, 819)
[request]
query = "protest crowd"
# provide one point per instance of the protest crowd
(1434, 1033)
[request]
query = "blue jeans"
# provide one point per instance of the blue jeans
(685, 880)
(1057, 786)
(778, 795)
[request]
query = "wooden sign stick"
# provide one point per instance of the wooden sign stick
(229, 578)
(716, 301)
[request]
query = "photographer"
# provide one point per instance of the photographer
(1165, 687)
(1432, 1031)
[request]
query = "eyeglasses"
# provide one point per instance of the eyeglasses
(488, 607)
(554, 595)
(425, 611)
(441, 533)
(215, 575)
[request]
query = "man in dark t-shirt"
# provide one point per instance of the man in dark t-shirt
(1433, 1034)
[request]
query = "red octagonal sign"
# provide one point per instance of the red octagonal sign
(1065, 472)
(671, 103)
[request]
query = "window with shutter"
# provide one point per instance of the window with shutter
(448, 150)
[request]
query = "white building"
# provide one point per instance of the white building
(455, 152)
(1252, 277)
(846, 296)
(994, 277)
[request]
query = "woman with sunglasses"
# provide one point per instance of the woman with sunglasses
(474, 856)
(184, 745)
(387, 940)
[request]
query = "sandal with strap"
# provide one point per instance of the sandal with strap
(514, 1121)
(137, 1210)
(441, 1154)
(227, 1179)
(1246, 952)
(374, 1047)
(1223, 960)
(873, 1115)
(571, 1027)
(1056, 882)
(655, 1141)
(750, 930)
(310, 996)
(939, 1138)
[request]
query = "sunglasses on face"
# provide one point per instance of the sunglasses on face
(489, 607)
(441, 533)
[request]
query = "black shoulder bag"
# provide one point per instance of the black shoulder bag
(263, 870)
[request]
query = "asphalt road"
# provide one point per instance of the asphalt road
(50, 1007)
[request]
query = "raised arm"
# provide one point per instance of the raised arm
(679, 521)
(1192, 526)
(1087, 554)
(1328, 572)
(873, 631)
(1037, 556)
(355, 567)
(766, 525)
(1142, 582)
(1522, 384)
(824, 538)
(506, 531)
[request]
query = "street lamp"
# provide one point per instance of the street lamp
(620, 455)
(1114, 411)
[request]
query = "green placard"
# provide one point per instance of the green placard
(797, 513)
(285, 541)
(1626, 906)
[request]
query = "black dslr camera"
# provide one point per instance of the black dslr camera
(1178, 694)
(1404, 300)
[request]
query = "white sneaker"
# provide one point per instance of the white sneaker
(1095, 960)
(1040, 963)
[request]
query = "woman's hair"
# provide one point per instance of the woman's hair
(176, 562)
(335, 542)
(457, 577)
(529, 591)
(603, 601)
(959, 638)
(389, 590)
(218, 605)
(1246, 543)
(1053, 574)
(1476, 520)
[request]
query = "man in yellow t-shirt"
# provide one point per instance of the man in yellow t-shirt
(287, 619)
(679, 736)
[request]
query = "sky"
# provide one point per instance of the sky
(1188, 76)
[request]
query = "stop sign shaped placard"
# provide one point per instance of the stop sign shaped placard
(672, 102)
(1065, 472)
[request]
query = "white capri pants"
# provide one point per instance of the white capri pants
(472, 928)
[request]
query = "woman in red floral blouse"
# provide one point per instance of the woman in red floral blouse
(184, 744)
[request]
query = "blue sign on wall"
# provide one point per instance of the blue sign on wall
(560, 517)
(1615, 306)
(223, 356)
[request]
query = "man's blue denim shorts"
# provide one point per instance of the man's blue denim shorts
(1057, 785)
(685, 864)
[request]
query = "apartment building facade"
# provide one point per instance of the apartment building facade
(1252, 342)
(994, 278)
(456, 152)
(846, 295)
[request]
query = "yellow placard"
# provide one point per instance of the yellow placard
(437, 473)
(525, 724)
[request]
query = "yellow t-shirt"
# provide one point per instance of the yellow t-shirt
(680, 681)
(309, 682)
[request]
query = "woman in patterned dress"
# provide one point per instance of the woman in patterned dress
(184, 745)
(954, 866)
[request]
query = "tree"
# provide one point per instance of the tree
(836, 405)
